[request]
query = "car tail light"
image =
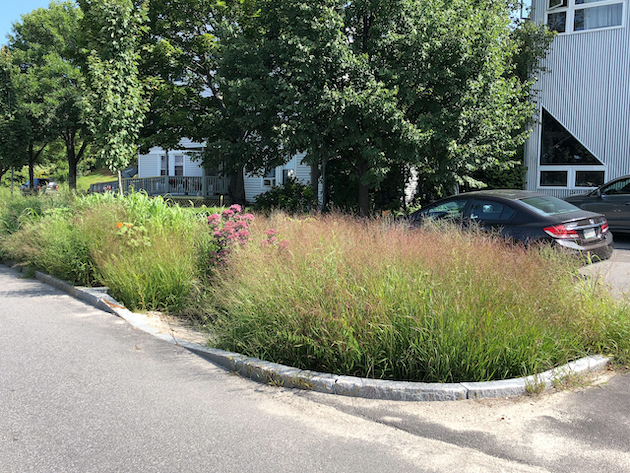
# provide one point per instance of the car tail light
(562, 231)
(604, 226)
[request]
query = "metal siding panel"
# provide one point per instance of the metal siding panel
(587, 89)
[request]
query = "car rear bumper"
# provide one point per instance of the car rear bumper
(601, 249)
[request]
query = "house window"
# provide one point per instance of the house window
(179, 165)
(163, 165)
(559, 146)
(568, 16)
(270, 178)
(589, 178)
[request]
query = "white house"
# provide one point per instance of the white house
(582, 137)
(182, 164)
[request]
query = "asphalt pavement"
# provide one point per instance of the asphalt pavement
(615, 272)
(83, 391)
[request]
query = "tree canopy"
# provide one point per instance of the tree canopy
(114, 106)
(371, 90)
(44, 48)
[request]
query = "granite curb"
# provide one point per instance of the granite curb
(289, 377)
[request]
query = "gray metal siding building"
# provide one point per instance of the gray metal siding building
(582, 136)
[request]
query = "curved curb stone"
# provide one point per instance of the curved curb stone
(287, 376)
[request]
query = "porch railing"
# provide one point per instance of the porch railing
(173, 185)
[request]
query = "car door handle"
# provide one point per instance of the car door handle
(626, 203)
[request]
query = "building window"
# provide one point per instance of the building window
(564, 161)
(163, 165)
(270, 178)
(568, 16)
(554, 178)
(179, 165)
(559, 146)
(589, 178)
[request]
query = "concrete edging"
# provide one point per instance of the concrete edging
(287, 376)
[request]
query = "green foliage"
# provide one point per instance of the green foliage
(151, 261)
(114, 104)
(291, 197)
(367, 299)
(372, 88)
(49, 93)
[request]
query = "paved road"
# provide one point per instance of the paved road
(81, 391)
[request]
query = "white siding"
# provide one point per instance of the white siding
(254, 187)
(149, 164)
(587, 89)
(192, 166)
(302, 171)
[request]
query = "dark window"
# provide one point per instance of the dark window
(557, 21)
(617, 187)
(547, 205)
(553, 178)
(452, 209)
(589, 178)
(558, 146)
(489, 210)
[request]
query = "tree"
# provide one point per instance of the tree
(377, 85)
(44, 46)
(114, 104)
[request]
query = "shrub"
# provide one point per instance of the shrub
(229, 229)
(291, 197)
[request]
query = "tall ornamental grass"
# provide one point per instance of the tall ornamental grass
(151, 255)
(364, 298)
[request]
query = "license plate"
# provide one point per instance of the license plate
(589, 233)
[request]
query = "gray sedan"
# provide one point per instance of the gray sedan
(611, 199)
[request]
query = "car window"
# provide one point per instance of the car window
(451, 209)
(547, 205)
(618, 187)
(489, 210)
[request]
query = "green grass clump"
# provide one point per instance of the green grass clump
(362, 298)
(150, 254)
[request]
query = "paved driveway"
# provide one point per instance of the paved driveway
(616, 271)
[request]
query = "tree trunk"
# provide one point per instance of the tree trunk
(69, 137)
(315, 178)
(364, 191)
(120, 185)
(236, 190)
(31, 163)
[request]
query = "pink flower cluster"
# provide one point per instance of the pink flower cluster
(230, 228)
(273, 240)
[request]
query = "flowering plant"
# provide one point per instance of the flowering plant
(231, 228)
(272, 240)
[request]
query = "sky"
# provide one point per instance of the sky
(11, 11)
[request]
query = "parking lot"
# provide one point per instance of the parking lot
(614, 272)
